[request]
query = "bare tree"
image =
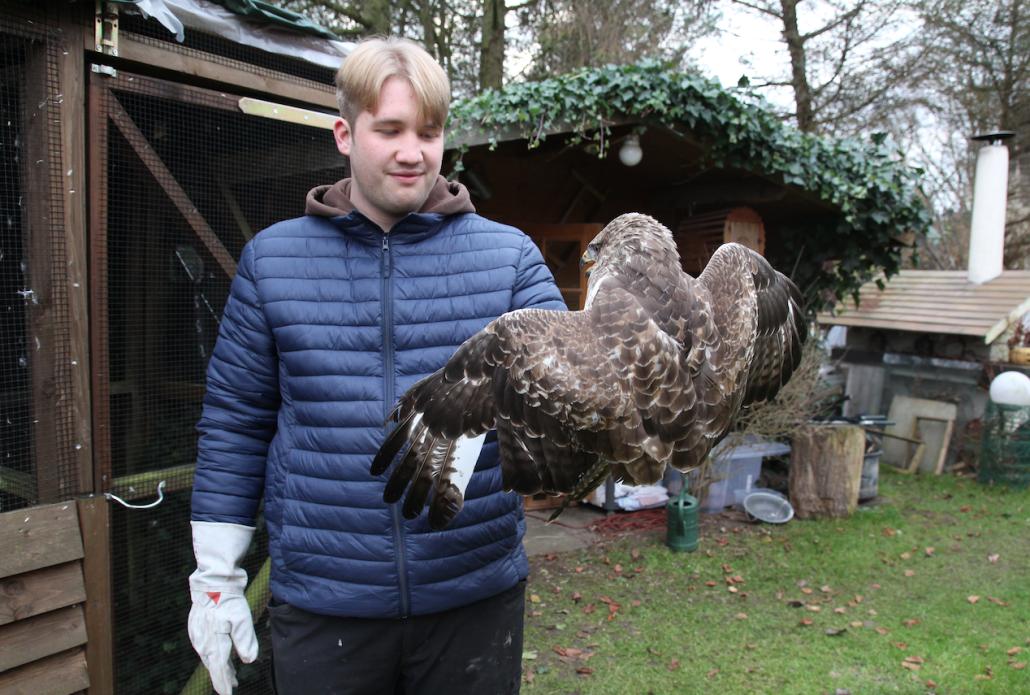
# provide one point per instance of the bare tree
(848, 68)
(563, 35)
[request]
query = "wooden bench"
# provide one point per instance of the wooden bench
(43, 599)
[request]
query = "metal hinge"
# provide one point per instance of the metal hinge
(105, 34)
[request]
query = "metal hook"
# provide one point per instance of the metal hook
(159, 500)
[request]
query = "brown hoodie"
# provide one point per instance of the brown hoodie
(445, 198)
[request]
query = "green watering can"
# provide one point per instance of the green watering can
(682, 518)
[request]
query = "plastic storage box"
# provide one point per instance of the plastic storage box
(735, 469)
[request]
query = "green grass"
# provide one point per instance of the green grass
(897, 577)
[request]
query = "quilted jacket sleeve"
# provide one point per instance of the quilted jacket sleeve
(534, 284)
(240, 408)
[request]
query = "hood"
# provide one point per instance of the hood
(446, 198)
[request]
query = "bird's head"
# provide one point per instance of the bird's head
(630, 237)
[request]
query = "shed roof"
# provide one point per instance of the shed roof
(938, 301)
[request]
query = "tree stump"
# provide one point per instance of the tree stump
(826, 470)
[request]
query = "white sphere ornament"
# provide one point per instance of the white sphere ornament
(1011, 388)
(630, 153)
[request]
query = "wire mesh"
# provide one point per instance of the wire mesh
(36, 457)
(188, 180)
(1005, 445)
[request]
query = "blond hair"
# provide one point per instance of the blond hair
(361, 77)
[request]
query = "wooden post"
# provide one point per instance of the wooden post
(37, 296)
(95, 526)
(72, 76)
(826, 470)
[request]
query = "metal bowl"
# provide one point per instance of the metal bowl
(769, 507)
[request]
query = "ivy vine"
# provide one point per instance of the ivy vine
(875, 194)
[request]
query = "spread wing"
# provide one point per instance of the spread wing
(758, 311)
(563, 389)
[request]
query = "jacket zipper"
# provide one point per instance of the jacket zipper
(395, 509)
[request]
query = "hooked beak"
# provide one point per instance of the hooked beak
(587, 260)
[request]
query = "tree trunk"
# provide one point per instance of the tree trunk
(491, 54)
(798, 71)
(826, 470)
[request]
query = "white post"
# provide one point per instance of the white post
(990, 193)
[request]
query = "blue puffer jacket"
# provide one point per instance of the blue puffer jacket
(328, 322)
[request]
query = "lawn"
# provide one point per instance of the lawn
(927, 590)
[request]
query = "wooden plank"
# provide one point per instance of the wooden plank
(95, 522)
(171, 187)
(233, 74)
(911, 311)
(74, 397)
(98, 311)
(40, 591)
(39, 305)
(60, 674)
(917, 326)
(38, 537)
(25, 641)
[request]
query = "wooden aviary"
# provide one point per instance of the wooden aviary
(826, 470)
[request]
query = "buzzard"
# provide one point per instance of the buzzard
(650, 374)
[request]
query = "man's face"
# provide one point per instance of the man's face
(394, 156)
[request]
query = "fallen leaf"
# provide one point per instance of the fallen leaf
(872, 612)
(901, 645)
(930, 684)
(795, 604)
(534, 598)
(929, 551)
(635, 602)
(606, 599)
(529, 654)
(835, 631)
(1018, 665)
(882, 631)
(910, 573)
(579, 569)
(576, 596)
(874, 586)
(732, 589)
(635, 553)
(806, 621)
(710, 583)
(911, 622)
(993, 558)
(889, 532)
(840, 611)
(905, 556)
(973, 599)
(856, 623)
(726, 568)
(741, 616)
(535, 614)
(913, 663)
(618, 568)
(712, 674)
(1014, 651)
(859, 598)
(551, 557)
(814, 608)
(806, 590)
(584, 670)
(673, 665)
(996, 600)
(825, 588)
(964, 508)
(589, 608)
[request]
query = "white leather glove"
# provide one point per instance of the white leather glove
(220, 616)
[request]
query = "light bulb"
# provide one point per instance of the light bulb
(630, 153)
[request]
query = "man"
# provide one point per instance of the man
(331, 317)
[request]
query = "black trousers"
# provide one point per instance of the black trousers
(471, 649)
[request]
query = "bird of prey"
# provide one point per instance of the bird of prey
(650, 374)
